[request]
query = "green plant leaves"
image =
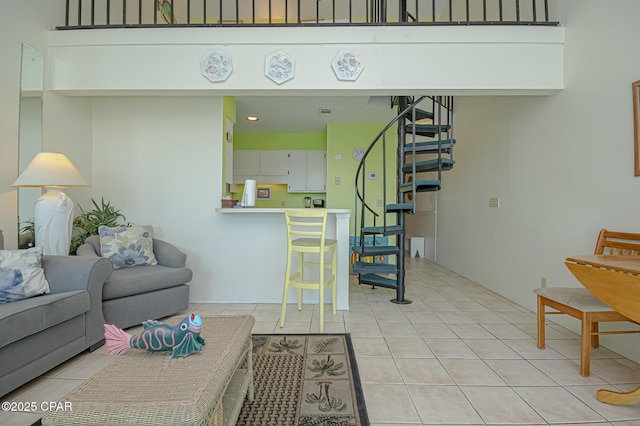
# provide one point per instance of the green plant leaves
(88, 221)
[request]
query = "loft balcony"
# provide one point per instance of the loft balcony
(83, 14)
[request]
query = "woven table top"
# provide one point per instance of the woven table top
(152, 389)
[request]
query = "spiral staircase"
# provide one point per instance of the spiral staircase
(423, 147)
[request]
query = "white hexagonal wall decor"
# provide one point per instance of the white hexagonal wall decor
(347, 66)
(216, 65)
(279, 67)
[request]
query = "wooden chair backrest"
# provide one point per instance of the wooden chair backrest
(618, 243)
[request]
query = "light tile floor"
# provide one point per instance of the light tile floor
(459, 354)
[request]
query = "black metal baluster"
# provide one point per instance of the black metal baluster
(139, 12)
(500, 9)
(108, 12)
(171, 19)
(450, 11)
(546, 11)
(66, 15)
(334, 11)
(156, 7)
(350, 11)
(79, 12)
(93, 12)
(518, 10)
(286, 11)
(188, 11)
(124, 12)
(220, 13)
(535, 14)
(484, 10)
(204, 11)
(433, 10)
(467, 11)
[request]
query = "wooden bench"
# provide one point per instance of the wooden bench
(579, 303)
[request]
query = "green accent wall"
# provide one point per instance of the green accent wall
(280, 140)
(342, 139)
(228, 110)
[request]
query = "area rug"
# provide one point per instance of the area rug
(305, 380)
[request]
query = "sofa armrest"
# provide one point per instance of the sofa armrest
(86, 250)
(168, 255)
(68, 273)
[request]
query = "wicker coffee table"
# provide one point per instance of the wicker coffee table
(206, 388)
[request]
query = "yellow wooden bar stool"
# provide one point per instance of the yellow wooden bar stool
(305, 235)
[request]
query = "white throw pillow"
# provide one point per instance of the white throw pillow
(21, 274)
(127, 246)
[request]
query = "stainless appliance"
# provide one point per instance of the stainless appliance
(318, 203)
(306, 202)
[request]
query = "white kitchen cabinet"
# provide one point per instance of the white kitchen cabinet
(307, 171)
(274, 167)
(246, 165)
(265, 166)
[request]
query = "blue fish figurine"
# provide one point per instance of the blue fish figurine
(182, 340)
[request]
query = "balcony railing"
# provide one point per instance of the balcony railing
(87, 14)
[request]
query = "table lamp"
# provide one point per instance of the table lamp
(53, 210)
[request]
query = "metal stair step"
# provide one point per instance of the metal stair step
(376, 280)
(429, 165)
(402, 207)
(427, 129)
(420, 115)
(376, 250)
(429, 146)
(376, 268)
(422, 185)
(389, 230)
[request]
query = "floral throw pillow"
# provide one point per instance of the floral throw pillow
(21, 274)
(127, 246)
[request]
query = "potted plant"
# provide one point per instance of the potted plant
(27, 237)
(87, 222)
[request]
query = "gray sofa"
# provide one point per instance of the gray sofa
(41, 332)
(133, 295)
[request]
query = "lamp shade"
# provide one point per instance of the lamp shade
(50, 169)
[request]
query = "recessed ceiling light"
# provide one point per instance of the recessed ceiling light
(252, 118)
(325, 111)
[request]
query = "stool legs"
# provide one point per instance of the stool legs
(299, 276)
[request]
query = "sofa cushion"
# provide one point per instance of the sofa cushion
(29, 316)
(21, 274)
(142, 279)
(127, 246)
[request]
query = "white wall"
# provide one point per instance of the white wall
(396, 60)
(159, 160)
(25, 21)
(562, 166)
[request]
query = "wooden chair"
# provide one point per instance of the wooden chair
(306, 230)
(581, 304)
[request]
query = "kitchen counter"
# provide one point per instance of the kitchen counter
(260, 239)
(253, 210)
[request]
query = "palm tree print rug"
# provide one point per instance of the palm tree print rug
(305, 380)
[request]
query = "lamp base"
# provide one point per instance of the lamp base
(53, 218)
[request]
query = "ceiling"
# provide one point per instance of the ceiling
(302, 113)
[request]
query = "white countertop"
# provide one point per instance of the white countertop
(253, 210)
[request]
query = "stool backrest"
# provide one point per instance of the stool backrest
(618, 243)
(306, 223)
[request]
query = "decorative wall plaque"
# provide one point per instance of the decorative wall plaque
(347, 66)
(279, 67)
(216, 65)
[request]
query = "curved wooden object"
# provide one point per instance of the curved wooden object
(621, 291)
